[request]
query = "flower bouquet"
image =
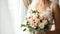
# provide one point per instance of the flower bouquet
(36, 22)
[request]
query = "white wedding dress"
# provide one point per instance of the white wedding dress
(48, 13)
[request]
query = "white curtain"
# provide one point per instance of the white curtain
(11, 15)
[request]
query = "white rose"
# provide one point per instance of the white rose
(40, 14)
(41, 25)
(34, 16)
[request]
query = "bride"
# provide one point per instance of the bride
(51, 12)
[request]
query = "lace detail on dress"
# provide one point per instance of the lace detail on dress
(49, 15)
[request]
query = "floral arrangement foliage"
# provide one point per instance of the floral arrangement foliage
(35, 21)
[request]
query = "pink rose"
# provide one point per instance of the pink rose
(44, 22)
(32, 24)
(37, 20)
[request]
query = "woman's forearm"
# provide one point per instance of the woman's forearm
(56, 11)
(27, 2)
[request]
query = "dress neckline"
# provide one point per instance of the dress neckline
(48, 8)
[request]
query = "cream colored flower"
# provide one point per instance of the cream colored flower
(34, 17)
(32, 24)
(41, 25)
(41, 14)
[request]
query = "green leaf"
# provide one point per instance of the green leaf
(42, 30)
(24, 29)
(38, 16)
(33, 11)
(22, 25)
(30, 28)
(27, 23)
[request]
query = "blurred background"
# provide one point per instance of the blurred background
(12, 13)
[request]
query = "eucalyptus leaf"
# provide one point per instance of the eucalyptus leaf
(24, 29)
(22, 25)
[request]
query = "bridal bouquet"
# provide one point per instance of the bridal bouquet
(35, 21)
